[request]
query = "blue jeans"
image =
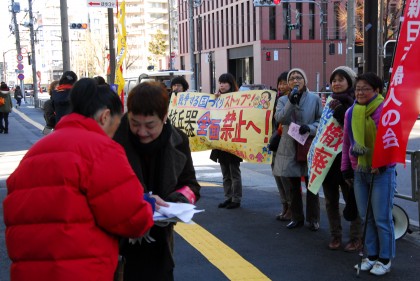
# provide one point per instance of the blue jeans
(380, 239)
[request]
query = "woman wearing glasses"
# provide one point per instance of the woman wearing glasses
(303, 108)
(360, 125)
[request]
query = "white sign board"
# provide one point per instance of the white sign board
(102, 4)
(276, 55)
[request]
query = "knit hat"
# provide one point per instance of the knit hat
(305, 78)
(4, 87)
(347, 73)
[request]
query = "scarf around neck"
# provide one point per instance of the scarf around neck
(346, 97)
(363, 130)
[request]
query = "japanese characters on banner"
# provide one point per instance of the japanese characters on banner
(327, 144)
(121, 49)
(239, 122)
(402, 103)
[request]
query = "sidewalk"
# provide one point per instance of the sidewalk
(25, 128)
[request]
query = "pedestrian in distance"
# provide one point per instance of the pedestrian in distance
(304, 109)
(229, 163)
(360, 128)
(283, 183)
(73, 194)
(342, 82)
(61, 95)
(18, 96)
(49, 113)
(6, 106)
(160, 156)
(178, 85)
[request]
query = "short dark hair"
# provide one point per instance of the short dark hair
(282, 77)
(87, 98)
(180, 80)
(148, 98)
(229, 78)
(68, 77)
(100, 80)
(372, 79)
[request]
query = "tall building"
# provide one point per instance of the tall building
(256, 44)
(144, 19)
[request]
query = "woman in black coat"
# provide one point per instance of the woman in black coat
(161, 158)
(229, 163)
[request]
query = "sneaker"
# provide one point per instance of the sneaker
(335, 243)
(380, 268)
(366, 265)
(353, 245)
(313, 226)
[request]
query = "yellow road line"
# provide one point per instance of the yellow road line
(205, 183)
(219, 254)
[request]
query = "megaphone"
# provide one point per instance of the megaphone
(401, 221)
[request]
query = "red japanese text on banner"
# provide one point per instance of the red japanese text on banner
(402, 103)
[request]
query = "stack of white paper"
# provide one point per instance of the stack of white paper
(176, 212)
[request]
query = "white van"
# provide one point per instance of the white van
(164, 76)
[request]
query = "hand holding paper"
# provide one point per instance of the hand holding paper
(294, 133)
(176, 212)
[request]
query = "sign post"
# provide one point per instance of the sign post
(102, 4)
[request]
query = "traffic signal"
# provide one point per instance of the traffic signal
(267, 56)
(78, 25)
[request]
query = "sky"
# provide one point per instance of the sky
(75, 7)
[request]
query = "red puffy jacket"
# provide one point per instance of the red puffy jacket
(72, 194)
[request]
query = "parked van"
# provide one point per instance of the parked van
(164, 76)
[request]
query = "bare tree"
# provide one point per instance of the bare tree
(390, 18)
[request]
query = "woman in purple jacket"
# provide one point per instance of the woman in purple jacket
(360, 127)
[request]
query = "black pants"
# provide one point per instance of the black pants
(312, 202)
(5, 116)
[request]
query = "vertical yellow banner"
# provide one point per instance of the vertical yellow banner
(121, 49)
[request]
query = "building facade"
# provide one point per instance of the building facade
(256, 44)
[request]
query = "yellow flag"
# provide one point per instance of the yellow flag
(121, 49)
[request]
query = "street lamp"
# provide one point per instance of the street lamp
(4, 64)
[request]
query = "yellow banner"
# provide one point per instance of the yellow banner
(121, 49)
(239, 122)
(326, 145)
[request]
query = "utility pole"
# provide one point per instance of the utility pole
(289, 35)
(18, 48)
(370, 44)
(324, 42)
(65, 35)
(350, 33)
(112, 64)
(170, 34)
(380, 40)
(32, 35)
(192, 43)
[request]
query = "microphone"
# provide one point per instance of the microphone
(294, 94)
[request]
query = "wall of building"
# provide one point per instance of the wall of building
(233, 24)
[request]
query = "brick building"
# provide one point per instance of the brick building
(253, 43)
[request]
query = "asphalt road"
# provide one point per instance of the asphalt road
(247, 241)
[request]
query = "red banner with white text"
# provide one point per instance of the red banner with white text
(402, 103)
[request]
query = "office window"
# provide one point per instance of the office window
(272, 23)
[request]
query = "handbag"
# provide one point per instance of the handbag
(302, 150)
(274, 141)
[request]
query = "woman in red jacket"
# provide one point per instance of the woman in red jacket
(73, 194)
